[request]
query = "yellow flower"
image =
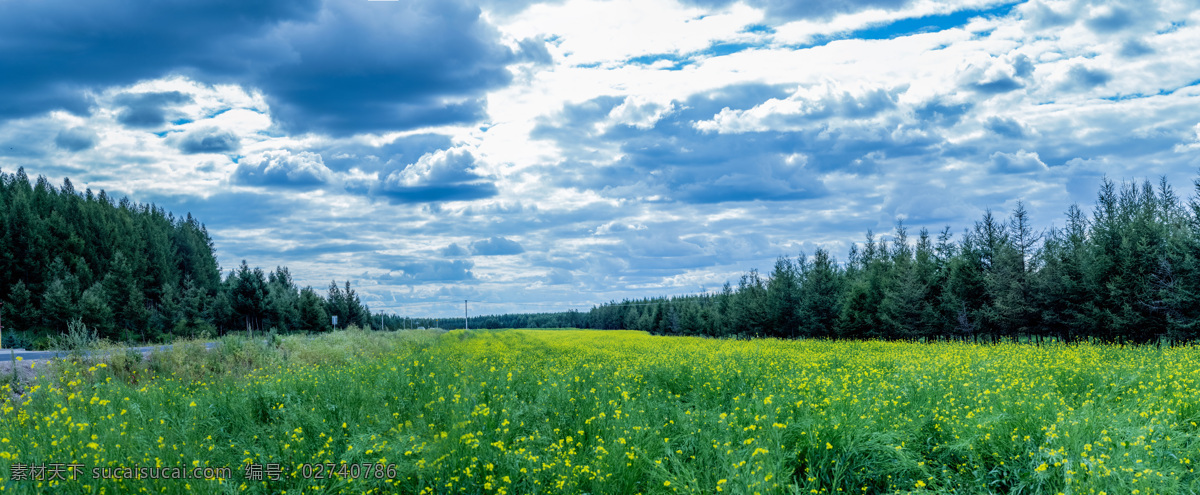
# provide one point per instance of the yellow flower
(666, 483)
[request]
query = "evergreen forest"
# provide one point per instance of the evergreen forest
(1125, 272)
(135, 273)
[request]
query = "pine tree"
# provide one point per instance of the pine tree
(312, 315)
(248, 296)
(866, 287)
(22, 310)
(58, 307)
(783, 292)
(820, 296)
(283, 300)
(95, 311)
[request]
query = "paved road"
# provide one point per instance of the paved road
(29, 355)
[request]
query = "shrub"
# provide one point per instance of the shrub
(77, 341)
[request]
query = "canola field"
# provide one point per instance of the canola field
(568, 411)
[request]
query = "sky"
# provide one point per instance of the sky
(543, 156)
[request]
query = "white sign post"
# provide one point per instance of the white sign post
(334, 321)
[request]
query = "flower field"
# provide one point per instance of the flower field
(566, 411)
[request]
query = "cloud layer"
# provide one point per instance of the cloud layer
(539, 156)
(334, 67)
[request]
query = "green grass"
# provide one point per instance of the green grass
(514, 412)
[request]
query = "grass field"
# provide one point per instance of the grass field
(522, 411)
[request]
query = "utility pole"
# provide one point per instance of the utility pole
(466, 322)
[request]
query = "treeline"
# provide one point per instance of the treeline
(134, 272)
(566, 319)
(1126, 272)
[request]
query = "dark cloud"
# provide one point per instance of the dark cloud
(147, 109)
(834, 105)
(1135, 48)
(284, 169)
(675, 160)
(735, 97)
(559, 276)
(496, 246)
(571, 123)
(534, 50)
(76, 139)
(444, 175)
(1119, 144)
(1044, 17)
(374, 66)
(253, 209)
(208, 140)
(62, 49)
(764, 178)
(337, 67)
(437, 193)
(1084, 78)
(1022, 66)
(996, 86)
(1005, 127)
(573, 128)
(941, 113)
(1016, 163)
(430, 271)
(454, 251)
(997, 77)
(311, 249)
(383, 158)
(1112, 19)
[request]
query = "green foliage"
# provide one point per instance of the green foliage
(527, 411)
(77, 339)
(1128, 273)
(132, 272)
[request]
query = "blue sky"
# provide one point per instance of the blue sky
(541, 156)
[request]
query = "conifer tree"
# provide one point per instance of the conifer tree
(819, 301)
(311, 309)
(783, 292)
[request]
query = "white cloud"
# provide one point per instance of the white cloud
(637, 112)
(825, 104)
(283, 168)
(1015, 163)
(583, 32)
(933, 127)
(440, 167)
